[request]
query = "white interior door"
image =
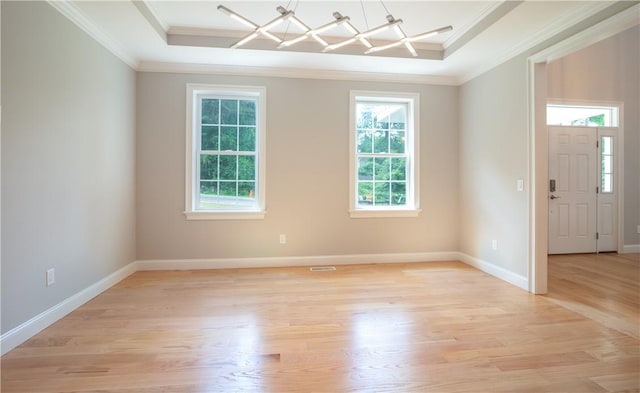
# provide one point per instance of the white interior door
(573, 179)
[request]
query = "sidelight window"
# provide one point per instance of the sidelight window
(606, 163)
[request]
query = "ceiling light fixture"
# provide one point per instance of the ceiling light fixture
(391, 21)
(408, 40)
(307, 32)
(315, 32)
(408, 45)
(264, 30)
(355, 31)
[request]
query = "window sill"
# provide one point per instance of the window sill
(225, 215)
(384, 213)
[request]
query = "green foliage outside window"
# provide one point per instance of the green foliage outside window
(597, 121)
(381, 159)
(228, 148)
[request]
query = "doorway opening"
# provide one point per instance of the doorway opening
(537, 80)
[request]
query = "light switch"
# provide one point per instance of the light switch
(520, 185)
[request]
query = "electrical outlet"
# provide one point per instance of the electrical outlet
(51, 277)
(494, 244)
(283, 239)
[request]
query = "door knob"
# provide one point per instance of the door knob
(554, 197)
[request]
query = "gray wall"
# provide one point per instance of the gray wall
(68, 164)
(608, 71)
(493, 156)
(307, 175)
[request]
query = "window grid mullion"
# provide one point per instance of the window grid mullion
(199, 156)
(217, 184)
(371, 153)
(389, 155)
(388, 134)
(211, 106)
(228, 152)
(219, 127)
(237, 172)
(389, 169)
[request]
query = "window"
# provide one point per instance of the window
(225, 152)
(384, 129)
(582, 115)
(606, 163)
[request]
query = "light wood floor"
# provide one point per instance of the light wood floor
(431, 327)
(604, 287)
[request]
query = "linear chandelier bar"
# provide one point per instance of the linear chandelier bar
(408, 40)
(364, 36)
(403, 35)
(237, 17)
(264, 30)
(308, 32)
(314, 33)
(355, 31)
(430, 33)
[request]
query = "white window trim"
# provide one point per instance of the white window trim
(413, 143)
(193, 90)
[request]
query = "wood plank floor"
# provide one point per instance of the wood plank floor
(604, 287)
(427, 327)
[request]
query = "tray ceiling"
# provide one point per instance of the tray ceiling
(195, 35)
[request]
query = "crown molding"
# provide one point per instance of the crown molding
(552, 30)
(589, 36)
(71, 12)
(297, 73)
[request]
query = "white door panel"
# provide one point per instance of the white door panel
(573, 204)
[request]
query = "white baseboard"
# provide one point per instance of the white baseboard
(631, 248)
(321, 260)
(30, 328)
(496, 271)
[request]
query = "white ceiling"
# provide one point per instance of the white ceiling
(173, 35)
